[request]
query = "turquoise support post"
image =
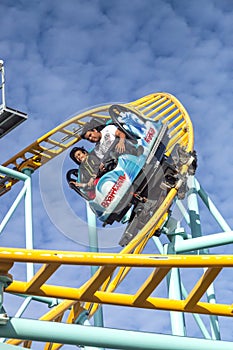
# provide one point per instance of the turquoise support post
(87, 323)
(93, 247)
(28, 219)
(83, 320)
(214, 240)
(209, 241)
(214, 324)
(92, 231)
(23, 307)
(27, 191)
(174, 289)
(103, 337)
(12, 208)
(51, 302)
(212, 208)
(195, 225)
(197, 317)
(174, 292)
(193, 209)
(5, 280)
(15, 174)
(183, 211)
(19, 176)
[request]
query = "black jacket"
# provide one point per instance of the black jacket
(89, 168)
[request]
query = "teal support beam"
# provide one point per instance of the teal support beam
(13, 173)
(12, 208)
(200, 243)
(1, 293)
(196, 317)
(214, 240)
(174, 292)
(183, 211)
(195, 225)
(92, 231)
(208, 203)
(94, 247)
(193, 209)
(83, 320)
(158, 244)
(174, 286)
(27, 192)
(23, 307)
(51, 302)
(212, 208)
(87, 323)
(28, 219)
(214, 323)
(103, 337)
(5, 281)
(210, 292)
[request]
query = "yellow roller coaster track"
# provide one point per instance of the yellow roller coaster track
(113, 268)
(156, 268)
(159, 106)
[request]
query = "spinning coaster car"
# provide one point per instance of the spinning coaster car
(135, 183)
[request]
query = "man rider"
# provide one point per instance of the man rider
(104, 139)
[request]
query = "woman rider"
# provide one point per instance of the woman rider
(89, 166)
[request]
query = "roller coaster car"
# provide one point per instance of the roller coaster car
(137, 182)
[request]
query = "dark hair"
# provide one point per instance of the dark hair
(91, 125)
(74, 150)
(86, 128)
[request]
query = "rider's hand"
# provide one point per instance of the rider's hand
(78, 184)
(120, 147)
(90, 182)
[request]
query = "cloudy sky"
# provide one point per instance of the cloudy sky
(62, 57)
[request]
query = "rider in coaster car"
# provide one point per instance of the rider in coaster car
(89, 165)
(105, 138)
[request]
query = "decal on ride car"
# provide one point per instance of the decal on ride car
(112, 193)
(149, 135)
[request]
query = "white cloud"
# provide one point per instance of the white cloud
(61, 57)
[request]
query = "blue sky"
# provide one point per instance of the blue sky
(65, 56)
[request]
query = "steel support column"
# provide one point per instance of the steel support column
(28, 219)
(93, 247)
(103, 337)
